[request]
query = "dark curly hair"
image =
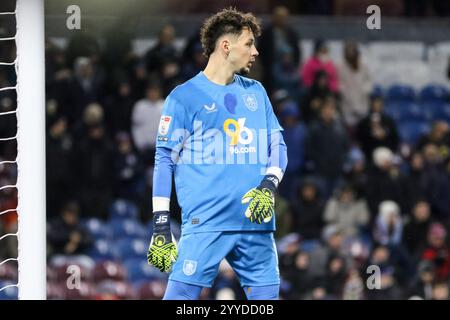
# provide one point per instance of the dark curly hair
(226, 21)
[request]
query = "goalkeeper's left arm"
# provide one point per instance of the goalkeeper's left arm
(261, 199)
(162, 251)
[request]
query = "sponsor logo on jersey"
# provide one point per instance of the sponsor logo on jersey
(164, 125)
(239, 134)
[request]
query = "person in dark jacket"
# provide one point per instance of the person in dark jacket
(377, 129)
(327, 145)
(276, 40)
(65, 234)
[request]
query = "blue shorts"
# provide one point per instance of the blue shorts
(252, 255)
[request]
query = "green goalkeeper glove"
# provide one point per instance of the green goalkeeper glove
(262, 200)
(162, 252)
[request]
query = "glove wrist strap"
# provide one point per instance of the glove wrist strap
(270, 182)
(161, 221)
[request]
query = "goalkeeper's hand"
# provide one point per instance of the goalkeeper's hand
(262, 200)
(162, 252)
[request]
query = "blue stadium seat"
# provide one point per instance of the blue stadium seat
(411, 131)
(438, 111)
(97, 228)
(401, 92)
(138, 270)
(101, 250)
(10, 293)
(123, 209)
(128, 248)
(405, 111)
(434, 93)
(128, 228)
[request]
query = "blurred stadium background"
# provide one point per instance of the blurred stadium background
(366, 115)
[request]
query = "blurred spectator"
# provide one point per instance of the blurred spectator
(59, 171)
(296, 269)
(320, 61)
(336, 276)
(314, 97)
(422, 286)
(128, 169)
(195, 62)
(284, 222)
(345, 211)
(414, 181)
(355, 172)
(94, 171)
(439, 136)
(389, 225)
(389, 288)
(307, 210)
(118, 109)
(65, 234)
(163, 51)
(437, 251)
(385, 180)
(440, 291)
(416, 229)
(377, 129)
(145, 121)
(353, 286)
(83, 43)
(84, 87)
(279, 49)
(436, 182)
(294, 135)
(118, 54)
(355, 85)
(327, 145)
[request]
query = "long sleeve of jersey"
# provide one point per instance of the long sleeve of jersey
(162, 179)
(277, 155)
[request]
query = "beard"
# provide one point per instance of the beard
(244, 71)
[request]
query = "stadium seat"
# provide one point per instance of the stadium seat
(434, 93)
(86, 291)
(55, 290)
(401, 93)
(153, 290)
(438, 111)
(406, 111)
(101, 250)
(411, 131)
(127, 228)
(97, 228)
(130, 248)
(111, 289)
(123, 209)
(111, 270)
(138, 270)
(10, 293)
(59, 267)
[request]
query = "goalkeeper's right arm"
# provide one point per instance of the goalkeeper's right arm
(162, 251)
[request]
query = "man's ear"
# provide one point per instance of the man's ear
(226, 46)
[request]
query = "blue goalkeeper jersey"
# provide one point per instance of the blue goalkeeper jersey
(218, 136)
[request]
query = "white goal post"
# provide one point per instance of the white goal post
(31, 210)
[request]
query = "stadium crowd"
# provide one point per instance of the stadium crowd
(362, 187)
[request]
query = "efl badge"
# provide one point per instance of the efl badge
(250, 101)
(164, 125)
(189, 267)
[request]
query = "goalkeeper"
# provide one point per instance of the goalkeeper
(220, 139)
